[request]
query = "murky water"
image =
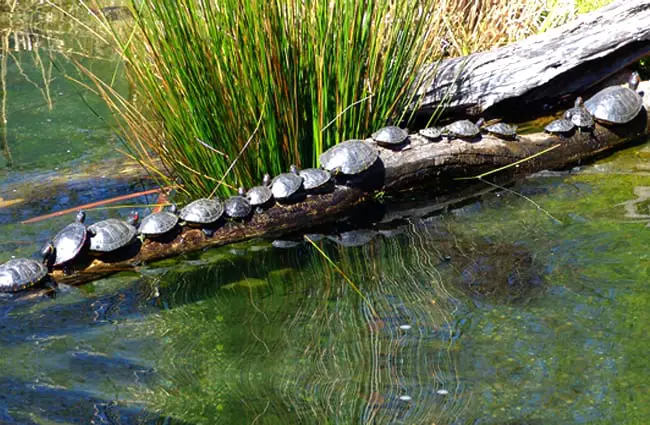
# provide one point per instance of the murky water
(526, 306)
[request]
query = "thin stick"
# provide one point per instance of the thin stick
(514, 164)
(205, 145)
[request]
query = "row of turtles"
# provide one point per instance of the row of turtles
(611, 105)
(614, 105)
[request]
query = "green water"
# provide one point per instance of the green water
(526, 306)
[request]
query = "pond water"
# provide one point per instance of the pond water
(523, 306)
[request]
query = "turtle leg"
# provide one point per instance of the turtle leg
(259, 210)
(208, 232)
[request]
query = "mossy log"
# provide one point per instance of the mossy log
(435, 166)
(527, 78)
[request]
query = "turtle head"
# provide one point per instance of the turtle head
(293, 169)
(266, 180)
(241, 191)
(634, 81)
(48, 253)
(172, 208)
(578, 102)
(81, 216)
(133, 218)
(480, 122)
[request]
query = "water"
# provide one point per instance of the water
(526, 306)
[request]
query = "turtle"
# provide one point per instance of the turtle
(463, 129)
(350, 157)
(238, 206)
(431, 133)
(616, 104)
(21, 273)
(259, 196)
(284, 186)
(315, 179)
(502, 130)
(579, 116)
(390, 136)
(203, 211)
(159, 224)
(112, 234)
(561, 127)
(356, 237)
(67, 244)
(286, 243)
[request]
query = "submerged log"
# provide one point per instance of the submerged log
(436, 166)
(526, 78)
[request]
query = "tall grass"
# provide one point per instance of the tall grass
(228, 90)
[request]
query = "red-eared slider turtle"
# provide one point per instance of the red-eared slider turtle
(21, 273)
(349, 157)
(431, 133)
(238, 206)
(463, 129)
(315, 179)
(617, 104)
(203, 211)
(579, 116)
(286, 185)
(259, 196)
(158, 224)
(67, 244)
(502, 130)
(562, 127)
(390, 136)
(112, 234)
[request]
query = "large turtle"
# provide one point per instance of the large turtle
(390, 136)
(349, 157)
(22, 273)
(316, 180)
(202, 212)
(238, 206)
(67, 244)
(616, 104)
(463, 129)
(112, 234)
(284, 186)
(260, 196)
(580, 116)
(159, 224)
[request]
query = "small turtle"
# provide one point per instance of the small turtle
(356, 237)
(67, 244)
(238, 206)
(286, 185)
(286, 243)
(390, 136)
(315, 179)
(463, 129)
(203, 211)
(349, 157)
(431, 133)
(579, 116)
(502, 130)
(259, 196)
(22, 273)
(112, 234)
(159, 224)
(616, 104)
(561, 127)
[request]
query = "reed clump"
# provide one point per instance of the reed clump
(227, 90)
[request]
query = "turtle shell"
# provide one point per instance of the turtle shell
(286, 184)
(503, 130)
(259, 195)
(390, 135)
(314, 178)
(349, 157)
(111, 234)
(237, 207)
(68, 243)
(431, 133)
(157, 224)
(202, 211)
(559, 126)
(20, 273)
(615, 105)
(462, 129)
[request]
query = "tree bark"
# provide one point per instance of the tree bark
(527, 78)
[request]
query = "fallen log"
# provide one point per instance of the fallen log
(436, 166)
(528, 78)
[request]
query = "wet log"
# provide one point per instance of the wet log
(527, 78)
(435, 166)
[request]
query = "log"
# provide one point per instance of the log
(421, 164)
(528, 78)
